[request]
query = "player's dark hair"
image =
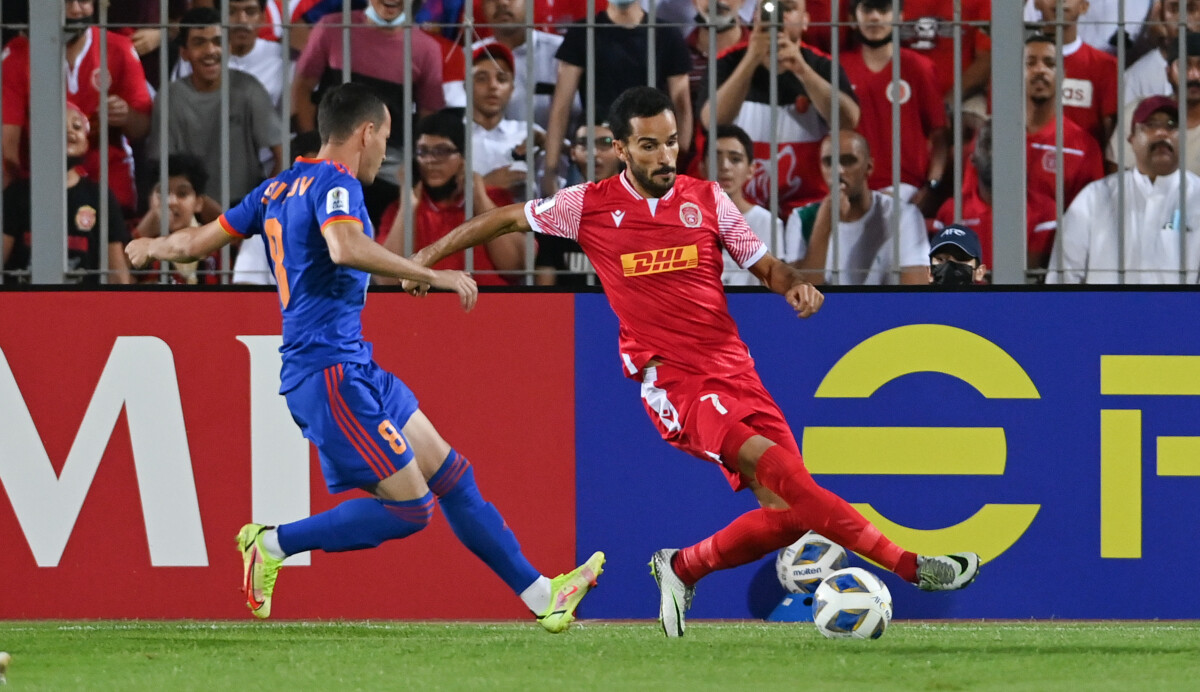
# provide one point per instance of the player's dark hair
(1039, 38)
(638, 102)
(726, 131)
(196, 18)
(345, 107)
(447, 123)
(182, 166)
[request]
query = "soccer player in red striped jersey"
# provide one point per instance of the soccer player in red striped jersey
(655, 240)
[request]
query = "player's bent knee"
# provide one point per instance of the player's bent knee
(407, 517)
(455, 473)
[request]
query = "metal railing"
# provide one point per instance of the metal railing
(1007, 29)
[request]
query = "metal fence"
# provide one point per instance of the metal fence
(1007, 29)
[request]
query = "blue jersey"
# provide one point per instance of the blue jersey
(321, 301)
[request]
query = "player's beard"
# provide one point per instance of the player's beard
(646, 180)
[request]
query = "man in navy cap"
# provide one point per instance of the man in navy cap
(954, 258)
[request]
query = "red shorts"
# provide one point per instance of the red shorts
(695, 412)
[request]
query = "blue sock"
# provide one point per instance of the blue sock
(356, 524)
(478, 523)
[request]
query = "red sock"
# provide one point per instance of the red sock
(783, 472)
(745, 540)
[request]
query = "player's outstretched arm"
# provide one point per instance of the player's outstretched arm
(476, 231)
(350, 247)
(784, 279)
(185, 245)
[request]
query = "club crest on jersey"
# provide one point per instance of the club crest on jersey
(690, 215)
(338, 199)
(657, 261)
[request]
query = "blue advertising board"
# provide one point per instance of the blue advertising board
(1055, 433)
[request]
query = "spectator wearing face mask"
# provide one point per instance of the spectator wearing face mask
(1040, 213)
(954, 258)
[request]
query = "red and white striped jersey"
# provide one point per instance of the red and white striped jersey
(660, 263)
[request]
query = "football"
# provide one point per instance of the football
(804, 564)
(852, 604)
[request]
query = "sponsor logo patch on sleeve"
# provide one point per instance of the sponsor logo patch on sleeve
(337, 200)
(544, 206)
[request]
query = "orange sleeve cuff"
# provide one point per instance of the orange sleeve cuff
(228, 228)
(339, 219)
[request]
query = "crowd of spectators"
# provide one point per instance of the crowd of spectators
(515, 124)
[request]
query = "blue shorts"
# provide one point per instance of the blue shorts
(354, 413)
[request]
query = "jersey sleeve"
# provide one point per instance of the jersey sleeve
(744, 247)
(825, 67)
(16, 83)
(728, 61)
(929, 99)
(573, 49)
(130, 79)
(245, 219)
(558, 215)
(340, 199)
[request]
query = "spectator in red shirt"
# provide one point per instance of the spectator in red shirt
(924, 134)
(440, 203)
(128, 104)
(929, 30)
(1040, 213)
(1089, 74)
(1082, 159)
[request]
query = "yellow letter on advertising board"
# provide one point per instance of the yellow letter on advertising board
(905, 451)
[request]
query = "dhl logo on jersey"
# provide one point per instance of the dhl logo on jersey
(658, 261)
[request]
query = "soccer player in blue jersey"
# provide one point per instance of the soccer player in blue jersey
(364, 421)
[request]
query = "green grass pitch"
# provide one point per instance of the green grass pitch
(595, 656)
